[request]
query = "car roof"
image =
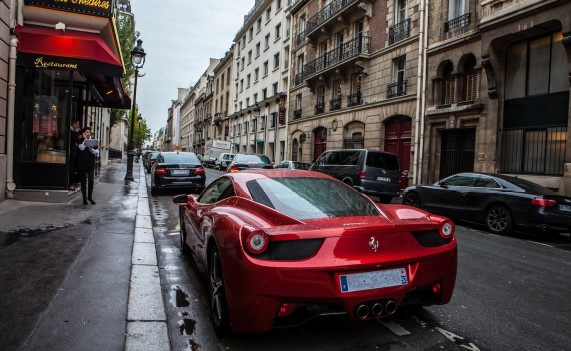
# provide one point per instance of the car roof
(251, 174)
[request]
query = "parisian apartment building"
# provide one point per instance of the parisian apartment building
(447, 85)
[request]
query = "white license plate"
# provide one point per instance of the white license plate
(373, 280)
(384, 179)
(564, 208)
(179, 172)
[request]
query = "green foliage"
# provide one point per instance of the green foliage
(127, 38)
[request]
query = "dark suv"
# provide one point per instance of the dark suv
(371, 172)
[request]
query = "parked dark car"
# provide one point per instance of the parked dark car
(294, 165)
(149, 160)
(180, 170)
(372, 172)
(244, 161)
(498, 201)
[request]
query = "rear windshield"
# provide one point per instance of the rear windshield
(252, 159)
(180, 158)
(530, 187)
(301, 165)
(305, 198)
(345, 158)
(381, 160)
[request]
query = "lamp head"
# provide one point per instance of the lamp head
(138, 55)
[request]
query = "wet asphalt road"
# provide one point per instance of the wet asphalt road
(511, 294)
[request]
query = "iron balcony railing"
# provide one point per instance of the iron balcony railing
(335, 104)
(457, 22)
(300, 38)
(298, 79)
(399, 31)
(538, 150)
(297, 114)
(354, 99)
(319, 107)
(326, 13)
(396, 89)
(349, 49)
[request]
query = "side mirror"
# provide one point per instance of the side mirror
(180, 200)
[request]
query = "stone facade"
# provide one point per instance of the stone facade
(469, 122)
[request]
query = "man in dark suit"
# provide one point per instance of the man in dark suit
(86, 157)
(73, 137)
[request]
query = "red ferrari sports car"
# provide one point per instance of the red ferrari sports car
(283, 247)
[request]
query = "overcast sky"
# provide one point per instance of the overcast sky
(179, 37)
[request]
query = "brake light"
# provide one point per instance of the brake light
(446, 229)
(255, 242)
(538, 201)
(199, 170)
(233, 169)
(362, 174)
(161, 171)
(286, 309)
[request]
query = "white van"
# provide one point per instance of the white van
(223, 161)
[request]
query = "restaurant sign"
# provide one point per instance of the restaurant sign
(282, 109)
(90, 7)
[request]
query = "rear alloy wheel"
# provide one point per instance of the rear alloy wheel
(498, 220)
(218, 309)
(412, 199)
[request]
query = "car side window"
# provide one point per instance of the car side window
(460, 180)
(282, 165)
(217, 191)
(487, 182)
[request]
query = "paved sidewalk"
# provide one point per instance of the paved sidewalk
(78, 277)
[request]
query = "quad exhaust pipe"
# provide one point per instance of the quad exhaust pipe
(373, 309)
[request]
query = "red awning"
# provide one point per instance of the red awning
(44, 47)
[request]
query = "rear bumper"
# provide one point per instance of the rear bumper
(544, 221)
(255, 292)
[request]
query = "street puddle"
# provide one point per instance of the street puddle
(186, 326)
(178, 297)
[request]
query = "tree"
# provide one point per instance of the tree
(127, 37)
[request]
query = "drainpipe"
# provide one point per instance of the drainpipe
(10, 185)
(421, 93)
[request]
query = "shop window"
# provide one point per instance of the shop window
(44, 127)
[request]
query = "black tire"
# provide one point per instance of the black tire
(412, 199)
(498, 220)
(184, 248)
(218, 307)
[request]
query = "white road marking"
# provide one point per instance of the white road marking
(535, 242)
(395, 328)
(173, 233)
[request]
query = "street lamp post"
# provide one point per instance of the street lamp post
(138, 60)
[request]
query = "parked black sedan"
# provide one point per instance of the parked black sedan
(180, 170)
(500, 202)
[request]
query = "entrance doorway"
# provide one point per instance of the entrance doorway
(398, 140)
(320, 142)
(457, 150)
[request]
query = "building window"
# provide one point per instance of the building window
(257, 49)
(251, 33)
(267, 41)
(536, 85)
(268, 14)
(278, 31)
(241, 85)
(259, 24)
(256, 74)
(279, 4)
(256, 98)
(275, 88)
(248, 81)
(249, 56)
(398, 86)
(264, 93)
(266, 68)
(297, 111)
(276, 60)
(243, 62)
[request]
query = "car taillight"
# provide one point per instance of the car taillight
(199, 170)
(161, 171)
(362, 174)
(446, 229)
(286, 309)
(255, 242)
(538, 201)
(233, 169)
